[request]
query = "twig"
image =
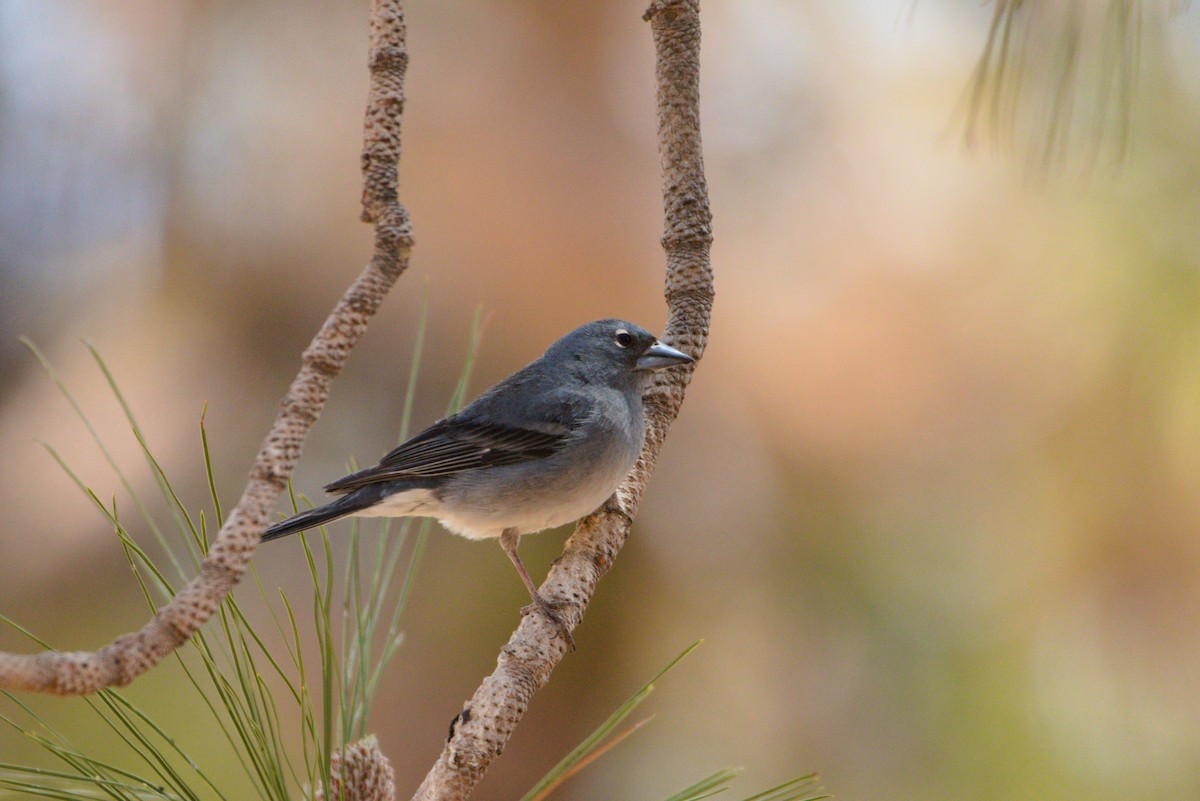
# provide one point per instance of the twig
(129, 656)
(525, 662)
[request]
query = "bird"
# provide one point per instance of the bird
(544, 447)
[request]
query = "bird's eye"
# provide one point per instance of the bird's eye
(624, 338)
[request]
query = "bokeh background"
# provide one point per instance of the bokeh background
(933, 501)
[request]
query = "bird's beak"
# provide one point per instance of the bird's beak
(658, 356)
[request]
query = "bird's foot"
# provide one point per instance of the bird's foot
(549, 608)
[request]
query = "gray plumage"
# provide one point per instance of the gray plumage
(544, 447)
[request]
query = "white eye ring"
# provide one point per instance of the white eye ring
(623, 338)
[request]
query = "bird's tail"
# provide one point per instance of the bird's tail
(346, 505)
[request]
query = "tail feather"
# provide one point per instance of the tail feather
(346, 505)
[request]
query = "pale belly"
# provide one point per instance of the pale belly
(530, 505)
(528, 497)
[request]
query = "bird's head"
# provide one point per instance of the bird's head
(616, 352)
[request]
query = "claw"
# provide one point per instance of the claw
(549, 608)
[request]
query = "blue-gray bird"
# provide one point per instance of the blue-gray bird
(544, 447)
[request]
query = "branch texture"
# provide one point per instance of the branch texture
(483, 728)
(131, 655)
(359, 772)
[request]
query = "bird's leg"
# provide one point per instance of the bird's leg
(509, 541)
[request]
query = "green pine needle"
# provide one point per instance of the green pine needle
(251, 692)
(593, 741)
(237, 675)
(710, 786)
(794, 790)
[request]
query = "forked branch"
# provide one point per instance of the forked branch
(131, 655)
(525, 662)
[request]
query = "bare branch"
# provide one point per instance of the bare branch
(483, 728)
(129, 656)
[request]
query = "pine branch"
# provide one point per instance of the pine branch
(131, 655)
(525, 662)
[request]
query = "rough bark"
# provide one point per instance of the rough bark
(483, 728)
(129, 656)
(359, 772)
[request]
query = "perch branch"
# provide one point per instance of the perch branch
(525, 662)
(131, 655)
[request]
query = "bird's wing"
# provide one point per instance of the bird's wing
(454, 445)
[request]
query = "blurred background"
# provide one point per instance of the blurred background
(933, 501)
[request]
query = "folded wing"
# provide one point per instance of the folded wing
(454, 445)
